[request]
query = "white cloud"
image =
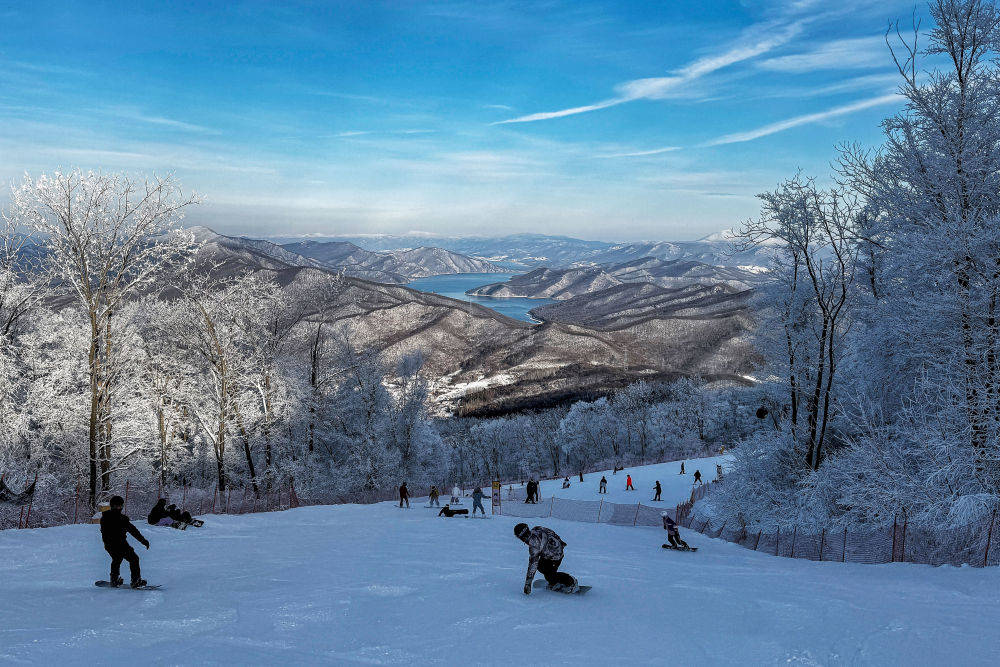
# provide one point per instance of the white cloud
(654, 151)
(762, 39)
(781, 126)
(855, 53)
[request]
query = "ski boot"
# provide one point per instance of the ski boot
(138, 583)
(116, 581)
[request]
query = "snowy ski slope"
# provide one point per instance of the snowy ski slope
(380, 585)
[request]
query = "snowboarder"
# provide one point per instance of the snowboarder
(718, 472)
(545, 553)
(449, 512)
(404, 495)
(158, 516)
(178, 515)
(566, 483)
(673, 535)
(114, 529)
(510, 492)
(682, 468)
(697, 477)
(581, 475)
(477, 501)
(434, 496)
(456, 495)
(604, 485)
(628, 483)
(658, 490)
(531, 488)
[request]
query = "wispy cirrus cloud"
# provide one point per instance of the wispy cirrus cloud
(654, 151)
(853, 53)
(806, 119)
(756, 42)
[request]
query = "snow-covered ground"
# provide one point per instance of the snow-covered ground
(380, 585)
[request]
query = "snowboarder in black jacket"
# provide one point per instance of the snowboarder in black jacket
(673, 535)
(658, 490)
(114, 529)
(158, 513)
(404, 495)
(545, 554)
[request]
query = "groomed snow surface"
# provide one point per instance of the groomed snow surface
(379, 585)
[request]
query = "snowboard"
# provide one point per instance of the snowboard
(541, 583)
(673, 548)
(179, 525)
(197, 523)
(147, 587)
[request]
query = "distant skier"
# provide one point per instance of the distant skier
(718, 472)
(604, 485)
(114, 529)
(531, 488)
(682, 468)
(545, 553)
(673, 535)
(581, 475)
(510, 492)
(566, 483)
(449, 512)
(434, 496)
(658, 490)
(628, 483)
(697, 477)
(456, 494)
(477, 501)
(404, 495)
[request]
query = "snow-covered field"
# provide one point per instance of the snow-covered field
(380, 585)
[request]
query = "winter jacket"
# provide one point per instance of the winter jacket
(669, 525)
(477, 495)
(403, 493)
(542, 543)
(114, 526)
(158, 513)
(434, 492)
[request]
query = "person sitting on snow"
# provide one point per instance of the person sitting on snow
(179, 515)
(159, 516)
(545, 553)
(673, 535)
(565, 483)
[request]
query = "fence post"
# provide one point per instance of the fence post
(843, 555)
(777, 540)
(20, 518)
(125, 507)
(636, 518)
(893, 559)
(551, 503)
(599, 509)
(76, 502)
(757, 543)
(989, 538)
(794, 533)
(822, 536)
(184, 494)
(214, 496)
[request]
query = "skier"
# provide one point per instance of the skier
(545, 553)
(114, 526)
(449, 512)
(697, 477)
(581, 475)
(434, 496)
(530, 490)
(604, 485)
(682, 468)
(404, 495)
(477, 501)
(456, 495)
(718, 472)
(673, 535)
(628, 483)
(158, 516)
(658, 490)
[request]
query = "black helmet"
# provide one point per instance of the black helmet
(521, 530)
(117, 501)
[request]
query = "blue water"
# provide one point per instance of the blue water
(454, 285)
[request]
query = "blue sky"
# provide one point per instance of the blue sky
(605, 120)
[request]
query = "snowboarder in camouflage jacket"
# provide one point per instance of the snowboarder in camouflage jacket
(545, 553)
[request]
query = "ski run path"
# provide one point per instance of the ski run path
(375, 584)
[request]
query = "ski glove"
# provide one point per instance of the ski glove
(146, 544)
(527, 588)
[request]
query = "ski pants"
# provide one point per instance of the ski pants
(550, 570)
(630, 487)
(657, 496)
(478, 502)
(434, 501)
(676, 541)
(404, 499)
(127, 553)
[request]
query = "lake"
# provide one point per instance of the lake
(454, 285)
